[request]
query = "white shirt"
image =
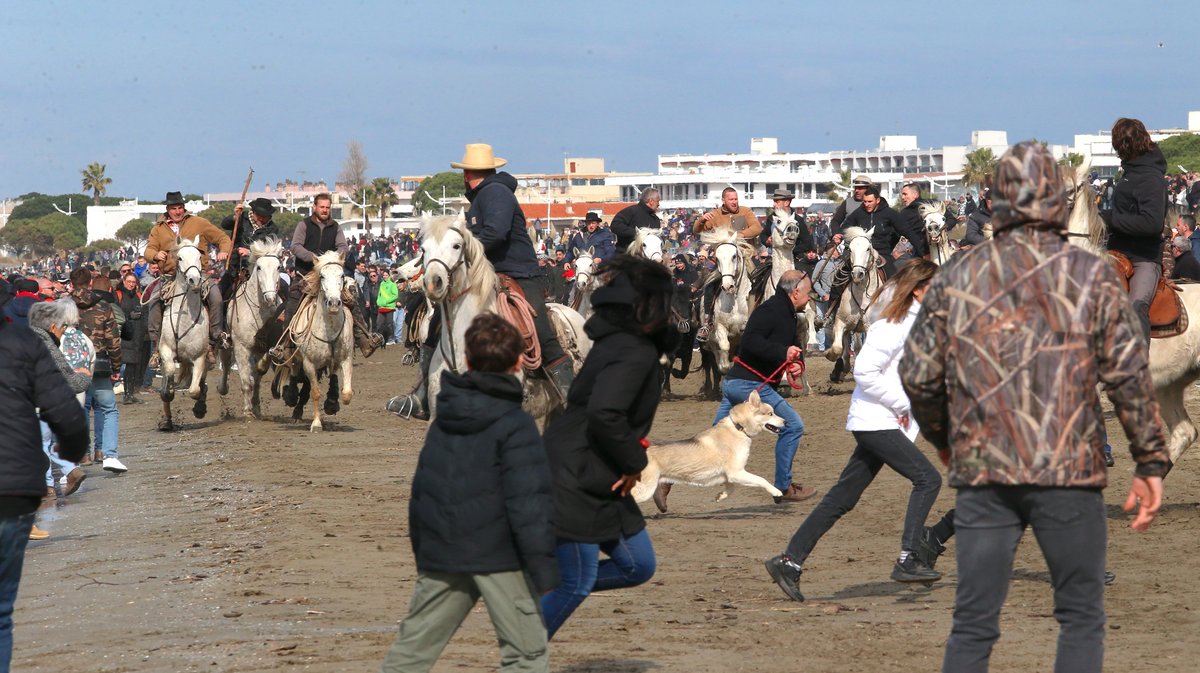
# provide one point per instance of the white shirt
(879, 400)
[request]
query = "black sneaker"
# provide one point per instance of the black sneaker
(913, 569)
(929, 548)
(786, 574)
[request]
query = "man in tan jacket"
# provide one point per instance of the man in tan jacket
(729, 216)
(179, 223)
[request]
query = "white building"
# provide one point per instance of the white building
(1097, 148)
(104, 221)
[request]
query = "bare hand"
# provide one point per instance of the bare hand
(1145, 493)
(160, 255)
(795, 368)
(114, 377)
(237, 212)
(597, 260)
(837, 238)
(904, 421)
(794, 353)
(624, 485)
(707, 217)
(222, 256)
(243, 252)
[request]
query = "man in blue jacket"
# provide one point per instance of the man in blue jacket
(495, 218)
(596, 237)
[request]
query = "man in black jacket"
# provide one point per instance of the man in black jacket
(495, 218)
(479, 518)
(257, 227)
(877, 217)
(644, 213)
(911, 225)
(979, 220)
(32, 384)
(1187, 267)
(767, 344)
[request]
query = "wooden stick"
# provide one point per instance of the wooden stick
(237, 219)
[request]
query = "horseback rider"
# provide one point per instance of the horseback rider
(804, 251)
(179, 223)
(858, 187)
(496, 219)
(910, 224)
(258, 226)
(595, 236)
(883, 222)
(316, 234)
(729, 216)
(643, 214)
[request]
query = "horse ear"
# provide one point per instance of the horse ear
(461, 217)
(576, 252)
(591, 251)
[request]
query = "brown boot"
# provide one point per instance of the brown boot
(367, 344)
(796, 493)
(74, 478)
(36, 533)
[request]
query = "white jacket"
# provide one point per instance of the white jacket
(879, 400)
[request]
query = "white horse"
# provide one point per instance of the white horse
(324, 333)
(937, 232)
(648, 243)
(459, 277)
(731, 307)
(586, 281)
(254, 302)
(183, 338)
(783, 242)
(863, 264)
(1174, 361)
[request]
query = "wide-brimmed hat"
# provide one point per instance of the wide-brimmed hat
(175, 199)
(261, 206)
(479, 157)
(862, 181)
(592, 217)
(782, 193)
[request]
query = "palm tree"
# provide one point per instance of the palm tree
(980, 166)
(94, 180)
(381, 195)
(838, 191)
(1071, 160)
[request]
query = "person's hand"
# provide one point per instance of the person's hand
(794, 353)
(795, 368)
(837, 238)
(624, 485)
(597, 260)
(769, 243)
(160, 255)
(222, 256)
(243, 252)
(1145, 493)
(114, 377)
(896, 254)
(904, 420)
(824, 297)
(237, 212)
(707, 217)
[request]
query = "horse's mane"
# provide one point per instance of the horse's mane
(1085, 210)
(714, 237)
(926, 208)
(265, 247)
(481, 276)
(181, 242)
(639, 240)
(853, 232)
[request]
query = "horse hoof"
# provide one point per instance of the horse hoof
(165, 425)
(331, 406)
(291, 396)
(315, 427)
(200, 410)
(347, 397)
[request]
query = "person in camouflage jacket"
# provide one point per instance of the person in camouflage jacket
(99, 323)
(1001, 368)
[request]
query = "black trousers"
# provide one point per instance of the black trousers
(874, 450)
(1071, 528)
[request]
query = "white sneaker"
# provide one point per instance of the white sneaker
(114, 465)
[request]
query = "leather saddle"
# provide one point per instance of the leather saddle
(1168, 317)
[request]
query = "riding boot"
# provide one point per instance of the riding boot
(216, 319)
(366, 340)
(706, 311)
(415, 404)
(562, 373)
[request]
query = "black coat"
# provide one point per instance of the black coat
(804, 241)
(769, 331)
(135, 326)
(1186, 267)
(976, 221)
(247, 234)
(598, 438)
(1139, 208)
(886, 223)
(32, 382)
(481, 492)
(912, 226)
(495, 218)
(626, 223)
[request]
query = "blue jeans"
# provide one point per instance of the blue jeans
(398, 324)
(14, 536)
(823, 333)
(630, 562)
(48, 447)
(102, 404)
(736, 391)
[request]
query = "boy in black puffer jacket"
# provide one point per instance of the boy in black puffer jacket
(479, 518)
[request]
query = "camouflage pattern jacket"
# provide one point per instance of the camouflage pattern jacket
(1003, 362)
(99, 323)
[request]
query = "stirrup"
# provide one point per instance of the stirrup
(155, 361)
(407, 407)
(703, 332)
(278, 354)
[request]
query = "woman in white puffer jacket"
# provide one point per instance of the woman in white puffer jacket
(884, 431)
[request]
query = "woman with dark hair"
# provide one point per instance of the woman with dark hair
(883, 428)
(1139, 207)
(135, 341)
(597, 448)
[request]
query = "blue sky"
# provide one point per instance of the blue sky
(188, 95)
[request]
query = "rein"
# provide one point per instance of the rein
(768, 380)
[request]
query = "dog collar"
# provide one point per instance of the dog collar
(739, 426)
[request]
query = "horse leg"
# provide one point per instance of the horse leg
(722, 340)
(1180, 430)
(347, 366)
(835, 340)
(331, 399)
(200, 408)
(314, 389)
(198, 368)
(226, 358)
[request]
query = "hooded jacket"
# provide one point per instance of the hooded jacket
(496, 219)
(99, 323)
(1139, 208)
(481, 492)
(976, 221)
(1002, 364)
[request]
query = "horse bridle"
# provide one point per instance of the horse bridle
(448, 328)
(197, 267)
(739, 263)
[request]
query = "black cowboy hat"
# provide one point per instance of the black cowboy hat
(175, 198)
(592, 217)
(261, 206)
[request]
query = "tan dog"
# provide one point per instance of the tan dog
(717, 455)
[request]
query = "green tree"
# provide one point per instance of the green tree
(44, 235)
(286, 223)
(107, 244)
(979, 168)
(93, 180)
(1182, 150)
(34, 205)
(382, 196)
(837, 192)
(217, 212)
(1071, 160)
(425, 199)
(135, 232)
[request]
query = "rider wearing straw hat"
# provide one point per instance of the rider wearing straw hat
(495, 218)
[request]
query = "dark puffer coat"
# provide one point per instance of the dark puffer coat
(481, 493)
(1139, 208)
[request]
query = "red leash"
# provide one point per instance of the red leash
(766, 380)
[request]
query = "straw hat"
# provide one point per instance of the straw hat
(479, 157)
